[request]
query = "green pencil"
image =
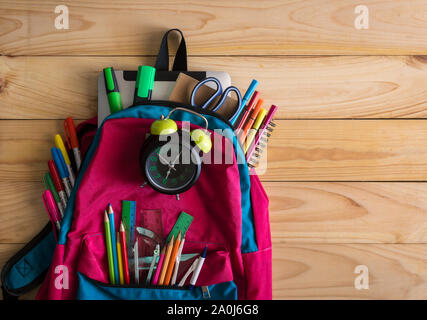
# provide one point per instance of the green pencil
(109, 248)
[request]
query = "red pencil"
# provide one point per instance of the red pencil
(124, 253)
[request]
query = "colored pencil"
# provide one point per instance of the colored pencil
(109, 248)
(113, 241)
(119, 259)
(166, 262)
(251, 120)
(124, 254)
(172, 259)
(159, 266)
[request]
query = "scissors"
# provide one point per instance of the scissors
(218, 93)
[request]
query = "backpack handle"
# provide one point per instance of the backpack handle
(180, 61)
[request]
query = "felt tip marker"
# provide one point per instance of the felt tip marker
(57, 182)
(72, 140)
(245, 100)
(60, 145)
(62, 169)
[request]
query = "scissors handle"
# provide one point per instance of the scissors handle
(218, 91)
(224, 97)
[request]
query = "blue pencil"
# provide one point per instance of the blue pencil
(113, 243)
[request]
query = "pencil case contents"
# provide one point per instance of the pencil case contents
(214, 281)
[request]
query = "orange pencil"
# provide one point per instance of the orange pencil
(251, 120)
(172, 259)
(124, 253)
(165, 263)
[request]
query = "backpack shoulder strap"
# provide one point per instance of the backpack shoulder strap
(27, 268)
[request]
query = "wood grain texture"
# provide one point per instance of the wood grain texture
(351, 212)
(215, 28)
(299, 150)
(322, 271)
(300, 212)
(302, 87)
(347, 150)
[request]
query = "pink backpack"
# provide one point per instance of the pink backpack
(228, 204)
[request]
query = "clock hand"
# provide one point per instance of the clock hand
(177, 157)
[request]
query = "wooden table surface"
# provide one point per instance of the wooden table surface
(347, 165)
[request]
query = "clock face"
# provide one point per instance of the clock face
(167, 172)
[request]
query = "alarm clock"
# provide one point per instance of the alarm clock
(171, 164)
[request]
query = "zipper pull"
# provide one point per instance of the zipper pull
(206, 293)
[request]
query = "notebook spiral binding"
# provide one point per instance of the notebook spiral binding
(260, 142)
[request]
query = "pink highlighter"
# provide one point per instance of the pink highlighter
(52, 211)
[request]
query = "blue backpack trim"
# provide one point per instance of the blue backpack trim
(154, 112)
(89, 289)
(22, 272)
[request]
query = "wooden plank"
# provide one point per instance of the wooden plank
(352, 212)
(22, 214)
(347, 150)
(300, 150)
(6, 252)
(322, 271)
(300, 212)
(343, 87)
(218, 28)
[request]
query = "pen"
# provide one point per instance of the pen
(62, 169)
(52, 211)
(109, 248)
(113, 92)
(189, 271)
(57, 182)
(113, 241)
(251, 120)
(144, 84)
(245, 99)
(72, 140)
(60, 145)
(178, 259)
(252, 132)
(247, 111)
(198, 268)
(49, 185)
(124, 253)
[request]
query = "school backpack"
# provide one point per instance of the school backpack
(228, 204)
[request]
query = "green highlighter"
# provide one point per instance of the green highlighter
(113, 93)
(144, 84)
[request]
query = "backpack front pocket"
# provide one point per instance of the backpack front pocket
(215, 280)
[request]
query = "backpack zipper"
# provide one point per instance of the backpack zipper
(171, 104)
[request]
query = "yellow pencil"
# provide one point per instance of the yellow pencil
(165, 263)
(119, 258)
(172, 259)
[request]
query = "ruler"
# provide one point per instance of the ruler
(128, 218)
(182, 224)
